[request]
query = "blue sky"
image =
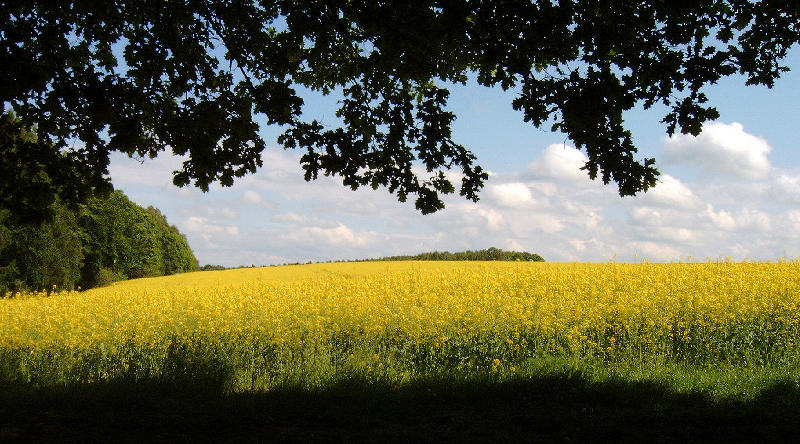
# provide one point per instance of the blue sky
(732, 191)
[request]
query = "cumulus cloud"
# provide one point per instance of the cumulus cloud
(208, 229)
(290, 219)
(742, 219)
(752, 219)
(794, 218)
(485, 217)
(593, 220)
(654, 250)
(551, 208)
(647, 216)
(216, 212)
(126, 171)
(515, 195)
(673, 234)
(577, 244)
(532, 224)
(721, 219)
(724, 149)
(786, 188)
(251, 197)
(298, 220)
(671, 192)
(339, 235)
(561, 163)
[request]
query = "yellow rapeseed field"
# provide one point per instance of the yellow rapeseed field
(261, 325)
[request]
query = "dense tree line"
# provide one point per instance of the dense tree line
(108, 239)
(489, 254)
(105, 239)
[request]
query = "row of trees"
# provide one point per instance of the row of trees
(108, 239)
(93, 241)
(489, 254)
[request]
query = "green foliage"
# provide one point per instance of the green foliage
(198, 76)
(124, 240)
(120, 236)
(490, 254)
(41, 256)
(176, 255)
(8, 269)
(46, 245)
(101, 276)
(36, 175)
(108, 240)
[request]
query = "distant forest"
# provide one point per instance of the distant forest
(489, 254)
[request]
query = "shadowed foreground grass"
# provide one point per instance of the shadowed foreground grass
(557, 403)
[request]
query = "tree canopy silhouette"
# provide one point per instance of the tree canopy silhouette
(192, 77)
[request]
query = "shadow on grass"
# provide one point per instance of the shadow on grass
(548, 408)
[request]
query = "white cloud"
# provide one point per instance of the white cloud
(670, 192)
(593, 220)
(654, 250)
(489, 217)
(251, 197)
(754, 220)
(794, 218)
(721, 219)
(721, 148)
(513, 245)
(647, 216)
(547, 189)
(290, 218)
(154, 172)
(551, 208)
(207, 229)
(561, 163)
(673, 234)
(742, 219)
(515, 195)
(216, 211)
(786, 188)
(339, 235)
(297, 220)
(540, 222)
(577, 244)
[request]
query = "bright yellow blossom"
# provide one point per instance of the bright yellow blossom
(416, 316)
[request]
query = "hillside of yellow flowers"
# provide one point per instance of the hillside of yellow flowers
(393, 321)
